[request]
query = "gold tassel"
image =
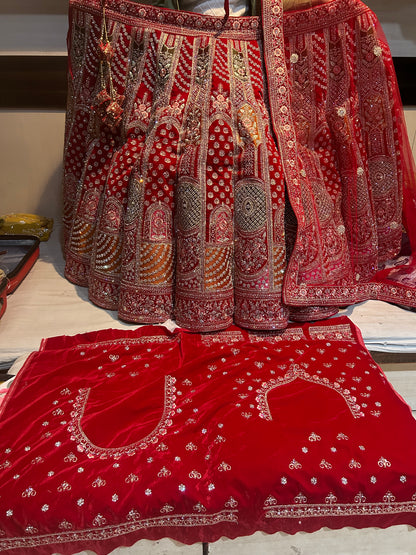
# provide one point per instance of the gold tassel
(107, 103)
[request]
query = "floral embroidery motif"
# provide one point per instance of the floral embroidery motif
(384, 463)
(65, 487)
(29, 492)
(294, 464)
(224, 467)
(354, 464)
(193, 127)
(314, 437)
(65, 525)
(325, 464)
(300, 499)
(98, 483)
(131, 478)
(167, 509)
(330, 499)
(220, 101)
(239, 65)
(164, 473)
(202, 66)
(165, 63)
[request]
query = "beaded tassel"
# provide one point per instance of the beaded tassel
(107, 103)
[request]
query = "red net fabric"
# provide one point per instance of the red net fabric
(351, 132)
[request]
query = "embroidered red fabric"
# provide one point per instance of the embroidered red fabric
(258, 173)
(148, 433)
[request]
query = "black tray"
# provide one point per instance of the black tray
(3, 295)
(18, 253)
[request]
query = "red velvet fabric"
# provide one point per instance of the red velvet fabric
(260, 172)
(114, 436)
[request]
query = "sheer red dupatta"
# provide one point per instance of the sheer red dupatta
(405, 274)
(356, 118)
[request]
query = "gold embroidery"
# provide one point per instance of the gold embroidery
(165, 64)
(156, 263)
(296, 372)
(134, 524)
(86, 446)
(247, 125)
(239, 65)
(218, 269)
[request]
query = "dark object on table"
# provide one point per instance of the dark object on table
(3, 292)
(18, 253)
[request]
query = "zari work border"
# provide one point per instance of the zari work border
(333, 332)
(129, 13)
(338, 332)
(344, 296)
(289, 334)
(280, 100)
(226, 337)
(335, 509)
(84, 444)
(303, 510)
(126, 341)
(296, 372)
(105, 532)
(325, 15)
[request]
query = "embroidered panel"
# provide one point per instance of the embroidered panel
(198, 436)
(345, 66)
(84, 443)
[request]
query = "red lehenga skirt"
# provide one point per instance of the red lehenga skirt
(254, 175)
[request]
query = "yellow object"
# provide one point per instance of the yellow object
(26, 224)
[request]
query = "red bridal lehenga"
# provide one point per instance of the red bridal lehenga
(249, 169)
(216, 170)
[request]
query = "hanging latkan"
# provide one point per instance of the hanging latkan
(107, 104)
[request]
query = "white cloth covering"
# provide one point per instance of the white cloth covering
(46, 305)
(215, 7)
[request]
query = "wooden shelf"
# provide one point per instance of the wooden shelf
(34, 6)
(40, 82)
(33, 82)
